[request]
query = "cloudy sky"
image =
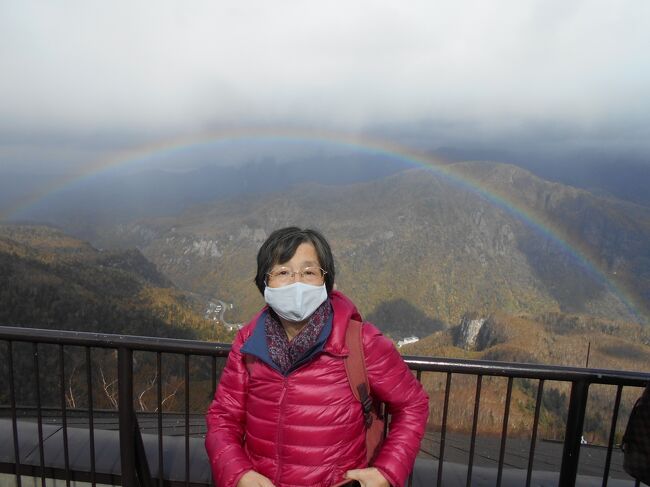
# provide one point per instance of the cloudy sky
(81, 76)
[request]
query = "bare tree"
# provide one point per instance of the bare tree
(109, 389)
(69, 394)
(171, 394)
(150, 385)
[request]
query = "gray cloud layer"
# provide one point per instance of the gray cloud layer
(498, 67)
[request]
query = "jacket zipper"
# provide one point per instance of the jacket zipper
(280, 428)
(279, 437)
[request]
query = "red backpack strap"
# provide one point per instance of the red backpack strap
(355, 367)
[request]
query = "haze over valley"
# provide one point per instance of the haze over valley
(417, 248)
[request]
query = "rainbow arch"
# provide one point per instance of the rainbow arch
(137, 154)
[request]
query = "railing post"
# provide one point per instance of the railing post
(135, 468)
(573, 433)
(14, 418)
(126, 416)
(144, 475)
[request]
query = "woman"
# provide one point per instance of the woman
(284, 413)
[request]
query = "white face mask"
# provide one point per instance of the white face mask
(297, 301)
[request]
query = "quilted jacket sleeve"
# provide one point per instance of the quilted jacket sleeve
(392, 382)
(225, 421)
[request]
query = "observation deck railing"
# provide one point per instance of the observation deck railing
(68, 398)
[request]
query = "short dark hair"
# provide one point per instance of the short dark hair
(281, 246)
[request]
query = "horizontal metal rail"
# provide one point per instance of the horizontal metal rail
(106, 340)
(426, 364)
(135, 468)
(528, 371)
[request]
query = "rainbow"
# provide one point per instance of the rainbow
(167, 146)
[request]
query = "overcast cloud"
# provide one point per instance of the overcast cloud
(89, 67)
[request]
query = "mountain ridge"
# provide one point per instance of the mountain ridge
(479, 255)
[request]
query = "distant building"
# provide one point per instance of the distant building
(407, 340)
(233, 326)
(213, 311)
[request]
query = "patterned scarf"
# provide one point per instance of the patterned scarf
(286, 353)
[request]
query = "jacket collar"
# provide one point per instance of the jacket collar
(257, 345)
(343, 311)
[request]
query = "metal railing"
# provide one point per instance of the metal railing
(35, 369)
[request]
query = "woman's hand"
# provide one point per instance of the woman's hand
(254, 479)
(368, 477)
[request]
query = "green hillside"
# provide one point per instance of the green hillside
(51, 280)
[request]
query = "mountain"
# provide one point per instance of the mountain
(122, 195)
(419, 248)
(624, 178)
(51, 280)
(612, 235)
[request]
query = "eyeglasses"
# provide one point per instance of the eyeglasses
(281, 276)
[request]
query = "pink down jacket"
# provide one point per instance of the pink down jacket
(306, 428)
